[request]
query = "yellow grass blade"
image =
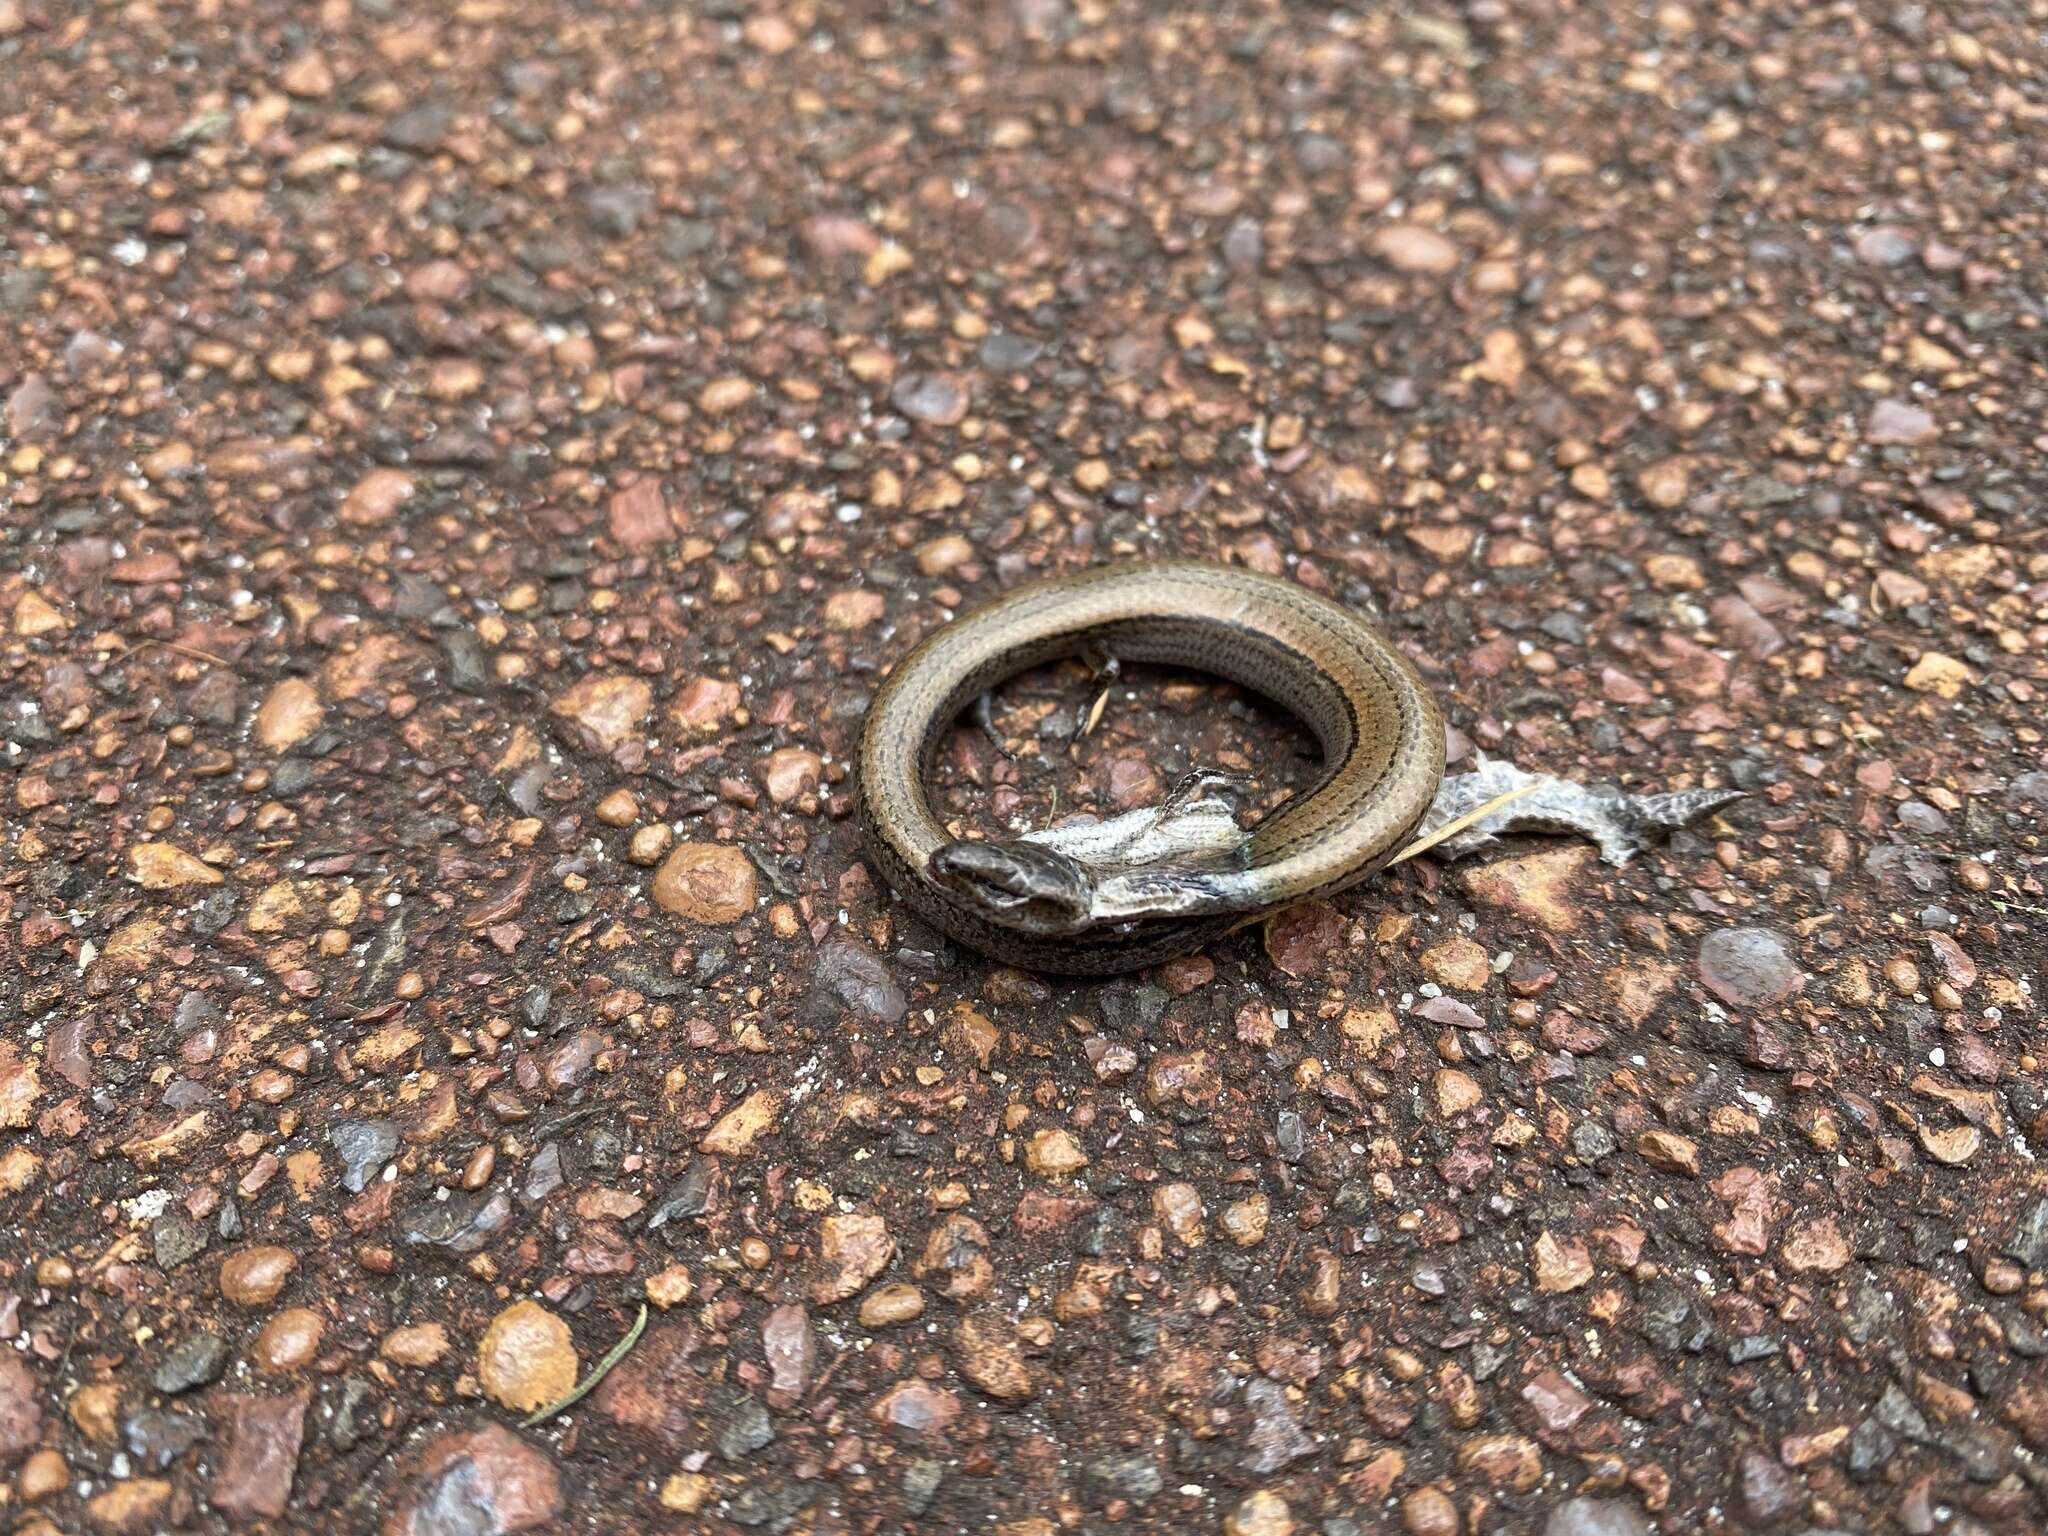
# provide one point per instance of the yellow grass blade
(1454, 827)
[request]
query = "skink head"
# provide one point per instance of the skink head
(1020, 885)
(1167, 860)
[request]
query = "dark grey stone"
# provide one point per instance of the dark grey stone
(195, 1360)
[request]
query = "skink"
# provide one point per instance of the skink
(1163, 881)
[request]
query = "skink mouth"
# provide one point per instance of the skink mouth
(1019, 884)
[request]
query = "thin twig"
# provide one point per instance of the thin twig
(183, 650)
(601, 1370)
(1453, 828)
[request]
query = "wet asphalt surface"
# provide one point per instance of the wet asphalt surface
(462, 471)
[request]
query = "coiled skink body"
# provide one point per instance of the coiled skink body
(1163, 881)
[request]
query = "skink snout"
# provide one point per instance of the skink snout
(1028, 886)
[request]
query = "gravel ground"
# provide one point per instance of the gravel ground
(462, 470)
